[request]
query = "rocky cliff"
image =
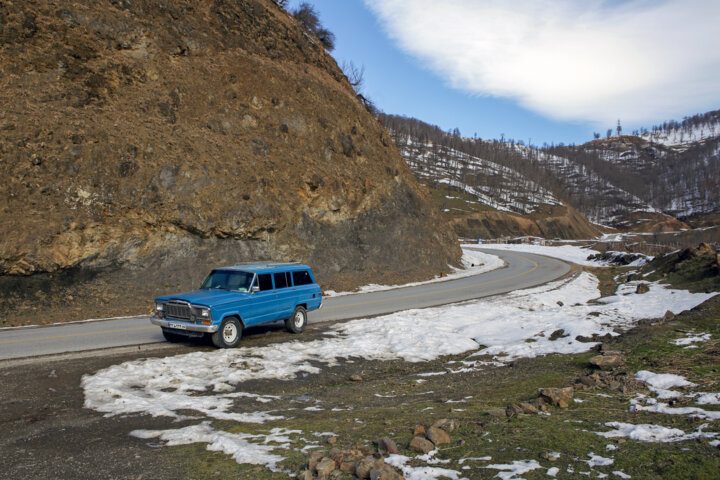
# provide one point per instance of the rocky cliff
(144, 142)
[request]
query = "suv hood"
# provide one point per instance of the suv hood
(206, 297)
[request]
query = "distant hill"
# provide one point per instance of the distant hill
(642, 182)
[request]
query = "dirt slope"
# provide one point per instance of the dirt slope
(146, 141)
(549, 222)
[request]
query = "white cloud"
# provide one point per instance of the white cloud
(595, 60)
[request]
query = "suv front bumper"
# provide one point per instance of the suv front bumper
(180, 325)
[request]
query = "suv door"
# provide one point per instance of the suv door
(285, 294)
(263, 303)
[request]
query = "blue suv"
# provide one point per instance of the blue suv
(232, 298)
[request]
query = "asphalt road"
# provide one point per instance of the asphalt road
(523, 270)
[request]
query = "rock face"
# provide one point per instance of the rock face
(144, 142)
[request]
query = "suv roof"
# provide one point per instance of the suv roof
(265, 267)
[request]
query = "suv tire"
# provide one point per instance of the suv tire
(229, 333)
(297, 322)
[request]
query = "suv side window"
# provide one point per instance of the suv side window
(282, 280)
(265, 282)
(301, 277)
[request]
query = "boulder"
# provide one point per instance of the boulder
(553, 396)
(325, 467)
(446, 424)
(607, 361)
(367, 464)
(386, 445)
(385, 472)
(438, 436)
(642, 288)
(421, 445)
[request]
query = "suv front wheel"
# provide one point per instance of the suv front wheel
(297, 322)
(229, 333)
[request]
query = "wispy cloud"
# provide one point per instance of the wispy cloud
(592, 60)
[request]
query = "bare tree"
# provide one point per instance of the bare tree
(309, 18)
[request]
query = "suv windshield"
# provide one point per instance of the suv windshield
(228, 280)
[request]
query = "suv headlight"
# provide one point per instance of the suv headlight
(205, 312)
(159, 307)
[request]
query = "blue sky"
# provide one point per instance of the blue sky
(533, 70)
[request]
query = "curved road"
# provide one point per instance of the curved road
(523, 270)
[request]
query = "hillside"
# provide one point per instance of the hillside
(145, 142)
(641, 182)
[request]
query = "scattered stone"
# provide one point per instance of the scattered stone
(421, 445)
(332, 440)
(560, 304)
(513, 411)
(386, 445)
(528, 407)
(557, 334)
(365, 465)
(642, 288)
(554, 395)
(384, 472)
(446, 424)
(607, 360)
(419, 430)
(669, 316)
(356, 378)
(562, 403)
(305, 475)
(548, 456)
(438, 436)
(325, 467)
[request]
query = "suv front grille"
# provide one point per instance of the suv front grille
(178, 310)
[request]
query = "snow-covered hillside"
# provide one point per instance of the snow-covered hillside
(641, 180)
(492, 184)
(599, 199)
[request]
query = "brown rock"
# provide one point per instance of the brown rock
(562, 403)
(642, 288)
(438, 436)
(513, 411)
(607, 361)
(419, 430)
(669, 316)
(356, 378)
(365, 465)
(332, 440)
(446, 424)
(386, 445)
(528, 407)
(325, 467)
(385, 472)
(305, 475)
(554, 395)
(348, 467)
(421, 445)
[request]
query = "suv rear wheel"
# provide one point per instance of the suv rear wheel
(229, 333)
(297, 322)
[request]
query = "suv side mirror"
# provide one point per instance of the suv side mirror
(255, 289)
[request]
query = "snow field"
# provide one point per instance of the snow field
(205, 382)
(569, 253)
